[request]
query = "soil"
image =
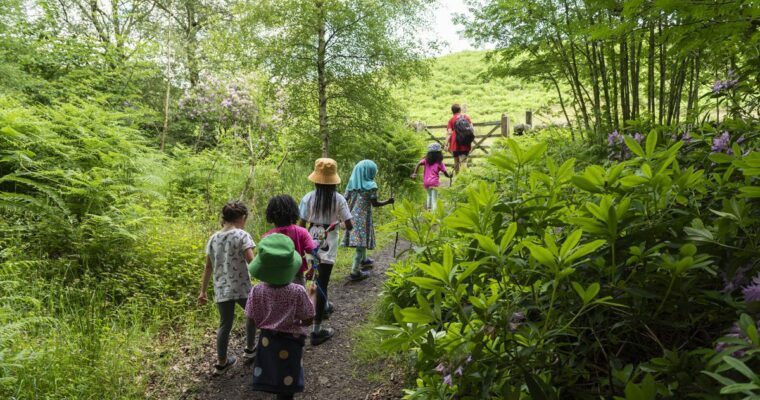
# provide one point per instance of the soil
(331, 370)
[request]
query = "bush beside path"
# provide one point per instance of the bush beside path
(331, 370)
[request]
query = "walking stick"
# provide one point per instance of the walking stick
(395, 243)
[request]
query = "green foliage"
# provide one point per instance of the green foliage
(554, 280)
(461, 78)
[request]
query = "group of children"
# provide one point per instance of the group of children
(280, 306)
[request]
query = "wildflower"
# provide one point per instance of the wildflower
(741, 139)
(518, 316)
(686, 137)
(459, 371)
(721, 85)
(513, 326)
(468, 360)
(752, 292)
(226, 103)
(638, 137)
(440, 368)
(614, 138)
(721, 143)
(447, 380)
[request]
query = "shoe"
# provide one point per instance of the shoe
(249, 356)
(220, 369)
(322, 336)
(358, 276)
(329, 309)
(368, 263)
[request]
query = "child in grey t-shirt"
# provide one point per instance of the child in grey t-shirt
(228, 253)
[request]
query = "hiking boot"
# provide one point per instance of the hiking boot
(358, 276)
(368, 263)
(322, 336)
(220, 369)
(249, 356)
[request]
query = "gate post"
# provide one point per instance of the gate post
(504, 125)
(529, 118)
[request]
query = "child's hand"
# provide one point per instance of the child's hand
(392, 200)
(202, 299)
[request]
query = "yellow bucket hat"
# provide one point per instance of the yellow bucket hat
(325, 172)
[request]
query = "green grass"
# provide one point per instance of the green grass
(459, 78)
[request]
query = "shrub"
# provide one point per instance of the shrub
(555, 281)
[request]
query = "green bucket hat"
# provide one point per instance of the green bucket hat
(277, 260)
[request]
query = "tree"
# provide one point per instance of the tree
(119, 26)
(190, 18)
(338, 57)
(607, 53)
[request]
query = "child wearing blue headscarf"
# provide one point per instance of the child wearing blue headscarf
(361, 195)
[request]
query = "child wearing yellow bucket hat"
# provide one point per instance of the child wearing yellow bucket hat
(319, 209)
(283, 312)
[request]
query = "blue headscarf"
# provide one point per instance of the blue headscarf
(363, 177)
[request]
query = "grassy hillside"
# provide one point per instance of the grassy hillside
(457, 78)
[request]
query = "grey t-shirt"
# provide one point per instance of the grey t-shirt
(227, 252)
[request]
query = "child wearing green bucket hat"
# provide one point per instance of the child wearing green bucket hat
(283, 312)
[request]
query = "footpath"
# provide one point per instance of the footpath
(331, 370)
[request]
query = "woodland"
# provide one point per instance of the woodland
(610, 252)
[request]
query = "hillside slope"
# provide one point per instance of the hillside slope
(457, 78)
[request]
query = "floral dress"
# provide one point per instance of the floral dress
(363, 234)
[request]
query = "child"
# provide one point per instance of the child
(283, 312)
(282, 211)
(361, 194)
(320, 208)
(433, 163)
(228, 253)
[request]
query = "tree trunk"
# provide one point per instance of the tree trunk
(605, 84)
(636, 46)
(191, 45)
(324, 131)
(662, 74)
(614, 64)
(165, 132)
(562, 104)
(595, 90)
(650, 72)
(624, 89)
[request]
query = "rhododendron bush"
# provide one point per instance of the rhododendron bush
(637, 277)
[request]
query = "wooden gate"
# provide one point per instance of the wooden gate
(480, 147)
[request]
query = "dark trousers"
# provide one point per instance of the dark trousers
(227, 315)
(323, 279)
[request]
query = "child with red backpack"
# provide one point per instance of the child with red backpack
(461, 136)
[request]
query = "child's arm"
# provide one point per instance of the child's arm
(417, 168)
(443, 169)
(376, 203)
(248, 254)
(202, 297)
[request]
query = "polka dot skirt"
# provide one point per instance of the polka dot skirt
(278, 367)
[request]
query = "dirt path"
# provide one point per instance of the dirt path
(331, 372)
